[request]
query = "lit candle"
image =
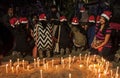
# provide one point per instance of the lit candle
(69, 61)
(99, 75)
(23, 64)
(70, 75)
(73, 59)
(87, 60)
(10, 63)
(44, 66)
(80, 65)
(28, 67)
(38, 60)
(17, 68)
(63, 63)
(80, 56)
(34, 63)
(47, 65)
(52, 62)
(94, 57)
(69, 58)
(116, 75)
(41, 75)
(56, 67)
(12, 69)
(61, 59)
(18, 61)
(111, 73)
(43, 61)
(6, 68)
(85, 57)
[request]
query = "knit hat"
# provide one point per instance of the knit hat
(82, 9)
(75, 21)
(63, 18)
(23, 20)
(13, 21)
(106, 14)
(42, 17)
(91, 19)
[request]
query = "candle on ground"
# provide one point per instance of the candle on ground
(12, 69)
(17, 67)
(23, 64)
(116, 75)
(38, 62)
(18, 61)
(52, 62)
(70, 75)
(10, 63)
(28, 67)
(80, 57)
(6, 68)
(41, 75)
(34, 63)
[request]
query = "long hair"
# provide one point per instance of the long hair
(105, 27)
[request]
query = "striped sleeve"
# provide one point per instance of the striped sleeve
(108, 30)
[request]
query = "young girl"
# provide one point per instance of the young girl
(102, 43)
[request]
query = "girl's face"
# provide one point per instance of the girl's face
(102, 20)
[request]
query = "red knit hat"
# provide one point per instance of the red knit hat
(23, 20)
(91, 19)
(82, 9)
(63, 18)
(106, 14)
(75, 21)
(13, 21)
(42, 17)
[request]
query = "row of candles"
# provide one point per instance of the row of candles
(101, 68)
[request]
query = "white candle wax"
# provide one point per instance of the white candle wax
(41, 75)
(28, 67)
(80, 57)
(46, 65)
(61, 60)
(70, 75)
(23, 64)
(17, 67)
(69, 61)
(12, 69)
(10, 63)
(18, 60)
(38, 62)
(111, 73)
(73, 59)
(63, 63)
(34, 63)
(99, 75)
(6, 68)
(117, 75)
(52, 62)
(43, 61)
(56, 67)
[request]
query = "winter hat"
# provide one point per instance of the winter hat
(13, 21)
(42, 17)
(91, 19)
(23, 20)
(82, 9)
(75, 21)
(106, 14)
(63, 18)
(98, 19)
